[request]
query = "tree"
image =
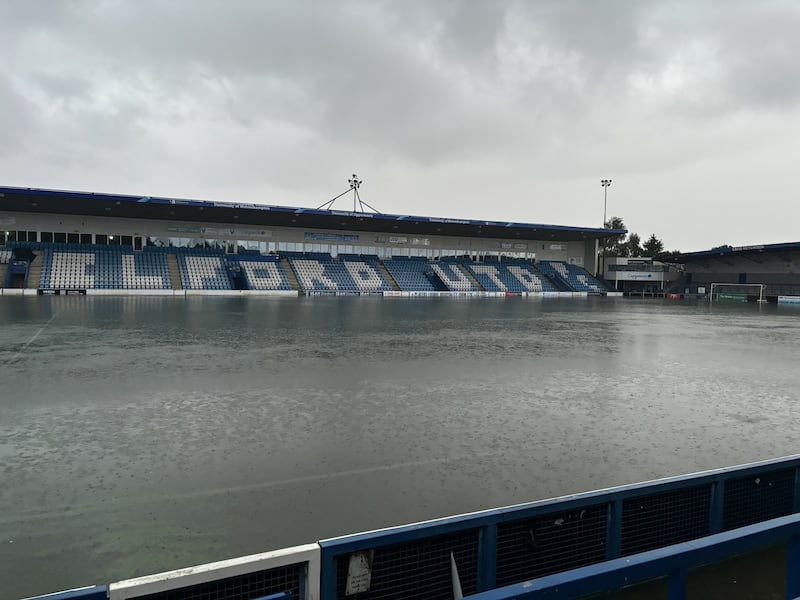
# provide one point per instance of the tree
(652, 246)
(633, 246)
(612, 245)
(668, 255)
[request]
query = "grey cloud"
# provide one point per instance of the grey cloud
(252, 97)
(16, 119)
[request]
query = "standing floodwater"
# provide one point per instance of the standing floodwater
(143, 434)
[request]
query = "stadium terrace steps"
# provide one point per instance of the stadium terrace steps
(35, 273)
(290, 274)
(472, 278)
(174, 272)
(385, 272)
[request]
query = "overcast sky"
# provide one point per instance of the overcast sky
(475, 109)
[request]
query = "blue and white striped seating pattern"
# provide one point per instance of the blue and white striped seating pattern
(117, 268)
(576, 277)
(203, 272)
(324, 273)
(502, 277)
(264, 275)
(453, 277)
(409, 273)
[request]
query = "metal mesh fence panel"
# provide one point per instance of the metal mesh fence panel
(242, 587)
(418, 569)
(550, 543)
(758, 498)
(665, 518)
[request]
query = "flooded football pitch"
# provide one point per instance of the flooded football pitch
(144, 434)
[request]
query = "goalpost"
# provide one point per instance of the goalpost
(737, 292)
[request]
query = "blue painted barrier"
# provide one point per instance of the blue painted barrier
(501, 547)
(671, 561)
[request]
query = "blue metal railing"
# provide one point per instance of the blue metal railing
(672, 562)
(526, 542)
(518, 543)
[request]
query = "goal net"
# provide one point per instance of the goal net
(737, 292)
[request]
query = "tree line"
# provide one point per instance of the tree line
(631, 245)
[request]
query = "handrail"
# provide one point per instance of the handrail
(672, 561)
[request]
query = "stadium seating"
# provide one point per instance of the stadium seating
(410, 273)
(203, 271)
(453, 276)
(264, 273)
(502, 277)
(321, 272)
(82, 266)
(577, 278)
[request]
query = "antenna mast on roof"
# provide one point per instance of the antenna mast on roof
(355, 183)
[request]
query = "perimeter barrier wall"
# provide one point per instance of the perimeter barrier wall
(502, 547)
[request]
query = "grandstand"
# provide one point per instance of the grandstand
(77, 242)
(777, 266)
(571, 277)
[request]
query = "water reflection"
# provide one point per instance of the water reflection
(142, 434)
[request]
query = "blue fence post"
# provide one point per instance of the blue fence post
(717, 507)
(676, 584)
(796, 502)
(614, 529)
(327, 578)
(487, 556)
(793, 568)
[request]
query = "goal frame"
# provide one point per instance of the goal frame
(761, 289)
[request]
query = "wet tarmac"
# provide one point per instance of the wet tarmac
(144, 434)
